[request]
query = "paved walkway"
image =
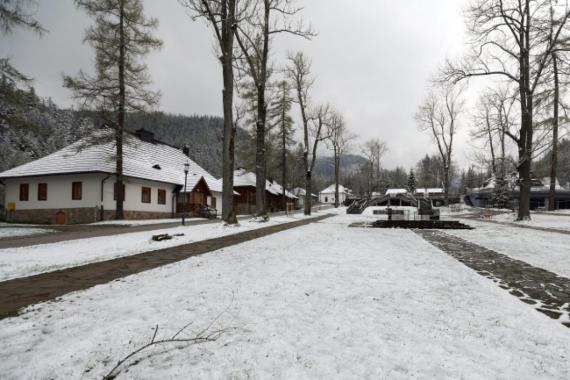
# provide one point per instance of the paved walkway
(74, 232)
(21, 292)
(546, 291)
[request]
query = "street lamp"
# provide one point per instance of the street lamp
(184, 205)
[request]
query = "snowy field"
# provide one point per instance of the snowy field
(560, 222)
(17, 231)
(321, 301)
(27, 261)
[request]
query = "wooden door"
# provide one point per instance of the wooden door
(60, 217)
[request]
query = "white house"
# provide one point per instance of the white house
(327, 196)
(301, 193)
(77, 184)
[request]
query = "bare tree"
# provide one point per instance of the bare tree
(493, 120)
(279, 113)
(339, 140)
(439, 114)
(299, 73)
(374, 150)
(507, 41)
(265, 19)
(223, 17)
(558, 58)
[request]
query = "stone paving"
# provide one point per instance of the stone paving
(545, 291)
(21, 292)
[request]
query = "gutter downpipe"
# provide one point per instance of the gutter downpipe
(101, 211)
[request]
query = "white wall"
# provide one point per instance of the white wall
(58, 191)
(329, 198)
(133, 195)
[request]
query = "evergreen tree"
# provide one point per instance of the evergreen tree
(13, 14)
(411, 182)
(121, 36)
(500, 197)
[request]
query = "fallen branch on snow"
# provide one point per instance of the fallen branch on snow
(206, 335)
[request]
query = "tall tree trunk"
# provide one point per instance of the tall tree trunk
(228, 23)
(260, 160)
(525, 140)
(308, 190)
(446, 183)
(525, 167)
(554, 158)
(370, 174)
(119, 213)
(308, 196)
(336, 176)
(490, 136)
(284, 159)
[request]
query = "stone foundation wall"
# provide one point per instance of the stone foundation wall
(49, 216)
(76, 215)
(135, 215)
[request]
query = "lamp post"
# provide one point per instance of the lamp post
(184, 205)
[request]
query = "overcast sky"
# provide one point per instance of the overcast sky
(371, 59)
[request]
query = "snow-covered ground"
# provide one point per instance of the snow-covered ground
(17, 231)
(27, 261)
(139, 222)
(547, 250)
(561, 222)
(321, 301)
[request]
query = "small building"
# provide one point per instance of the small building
(77, 184)
(327, 196)
(245, 185)
(435, 194)
(301, 193)
(539, 193)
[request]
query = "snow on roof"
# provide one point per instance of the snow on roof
(396, 191)
(430, 190)
(300, 192)
(331, 189)
(537, 184)
(245, 178)
(154, 161)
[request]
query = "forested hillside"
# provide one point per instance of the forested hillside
(202, 134)
(32, 127)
